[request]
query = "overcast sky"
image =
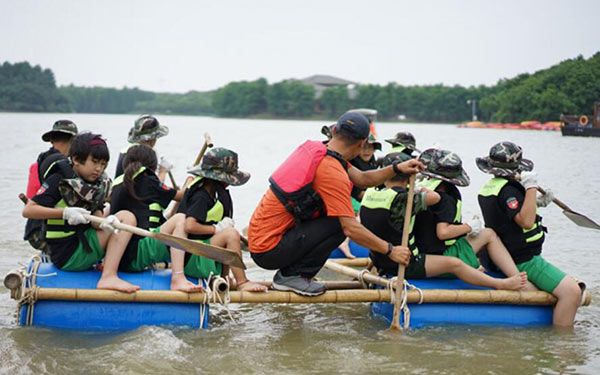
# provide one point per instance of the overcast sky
(176, 46)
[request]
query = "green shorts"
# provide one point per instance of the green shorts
(542, 274)
(149, 251)
(355, 205)
(201, 267)
(416, 267)
(462, 250)
(81, 260)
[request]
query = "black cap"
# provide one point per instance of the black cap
(353, 124)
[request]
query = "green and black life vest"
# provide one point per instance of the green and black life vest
(59, 228)
(154, 209)
(375, 215)
(426, 227)
(522, 244)
(197, 266)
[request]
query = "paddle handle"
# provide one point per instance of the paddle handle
(173, 181)
(207, 144)
(556, 201)
(120, 226)
(405, 233)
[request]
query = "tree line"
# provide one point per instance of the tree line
(570, 87)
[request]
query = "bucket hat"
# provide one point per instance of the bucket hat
(373, 141)
(446, 166)
(221, 164)
(146, 128)
(61, 126)
(405, 139)
(505, 160)
(390, 158)
(327, 130)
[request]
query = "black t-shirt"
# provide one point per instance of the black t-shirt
(426, 224)
(119, 170)
(60, 249)
(196, 203)
(363, 166)
(511, 200)
(150, 189)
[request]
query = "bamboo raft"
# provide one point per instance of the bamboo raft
(68, 300)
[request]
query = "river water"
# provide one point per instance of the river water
(287, 339)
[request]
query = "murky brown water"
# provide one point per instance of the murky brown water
(310, 338)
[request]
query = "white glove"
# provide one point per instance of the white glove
(476, 225)
(227, 222)
(529, 180)
(108, 224)
(165, 164)
(545, 199)
(74, 215)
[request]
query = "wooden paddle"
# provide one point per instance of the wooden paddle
(217, 253)
(400, 280)
(197, 248)
(576, 217)
(173, 181)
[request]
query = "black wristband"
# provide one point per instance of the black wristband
(395, 167)
(389, 250)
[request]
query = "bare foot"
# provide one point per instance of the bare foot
(345, 249)
(184, 285)
(114, 283)
(515, 282)
(529, 287)
(250, 286)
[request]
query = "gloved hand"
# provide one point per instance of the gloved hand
(545, 199)
(74, 215)
(165, 164)
(108, 224)
(227, 222)
(476, 225)
(529, 180)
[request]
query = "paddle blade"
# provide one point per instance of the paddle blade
(581, 220)
(219, 254)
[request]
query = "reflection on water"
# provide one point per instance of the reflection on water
(291, 339)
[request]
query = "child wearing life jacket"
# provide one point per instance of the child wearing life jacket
(145, 131)
(208, 217)
(60, 136)
(139, 191)
(74, 244)
(382, 211)
(509, 206)
(441, 231)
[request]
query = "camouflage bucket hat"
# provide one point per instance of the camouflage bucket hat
(426, 156)
(327, 130)
(79, 193)
(405, 139)
(505, 160)
(446, 166)
(61, 126)
(373, 141)
(389, 159)
(146, 128)
(221, 164)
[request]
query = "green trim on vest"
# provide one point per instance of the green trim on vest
(396, 149)
(57, 223)
(430, 183)
(194, 181)
(492, 188)
(378, 198)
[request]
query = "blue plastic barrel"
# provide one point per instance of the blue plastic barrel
(356, 250)
(108, 316)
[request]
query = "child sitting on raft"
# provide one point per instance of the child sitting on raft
(139, 190)
(382, 212)
(208, 210)
(73, 243)
(440, 230)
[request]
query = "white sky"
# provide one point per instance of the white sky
(177, 46)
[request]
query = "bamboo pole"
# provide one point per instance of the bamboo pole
(348, 271)
(334, 296)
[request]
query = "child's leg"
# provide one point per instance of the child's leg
(568, 293)
(115, 245)
(175, 226)
(230, 239)
(438, 264)
(497, 252)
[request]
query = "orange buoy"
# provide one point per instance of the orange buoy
(583, 120)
